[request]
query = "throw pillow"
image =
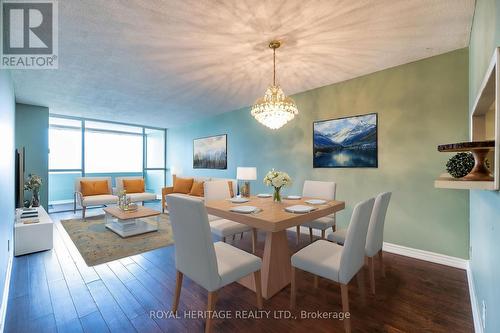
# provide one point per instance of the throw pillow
(133, 185)
(197, 189)
(183, 185)
(94, 187)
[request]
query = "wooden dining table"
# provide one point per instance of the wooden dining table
(272, 218)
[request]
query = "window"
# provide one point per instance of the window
(65, 144)
(109, 149)
(115, 149)
(155, 159)
(155, 148)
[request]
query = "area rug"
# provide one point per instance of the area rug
(99, 245)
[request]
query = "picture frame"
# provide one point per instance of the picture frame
(346, 142)
(210, 152)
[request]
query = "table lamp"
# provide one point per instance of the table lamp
(246, 174)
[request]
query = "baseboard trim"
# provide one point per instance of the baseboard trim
(426, 255)
(476, 312)
(5, 295)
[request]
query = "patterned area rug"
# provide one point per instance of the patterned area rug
(99, 245)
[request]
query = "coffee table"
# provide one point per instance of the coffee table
(130, 223)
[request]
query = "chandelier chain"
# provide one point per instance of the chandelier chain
(274, 66)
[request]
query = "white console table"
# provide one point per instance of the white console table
(29, 238)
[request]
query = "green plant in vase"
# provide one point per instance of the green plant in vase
(278, 180)
(33, 184)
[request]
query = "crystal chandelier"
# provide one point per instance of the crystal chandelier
(274, 109)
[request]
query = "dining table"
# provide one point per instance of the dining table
(272, 218)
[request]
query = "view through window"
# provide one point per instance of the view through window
(80, 147)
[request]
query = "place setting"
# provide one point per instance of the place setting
(239, 200)
(316, 201)
(245, 209)
(300, 209)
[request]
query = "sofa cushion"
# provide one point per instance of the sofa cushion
(190, 196)
(197, 189)
(137, 197)
(133, 185)
(103, 199)
(94, 187)
(182, 185)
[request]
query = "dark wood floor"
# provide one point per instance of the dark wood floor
(55, 291)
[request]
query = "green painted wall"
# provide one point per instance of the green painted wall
(32, 132)
(7, 171)
(485, 205)
(419, 105)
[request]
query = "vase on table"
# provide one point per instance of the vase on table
(277, 179)
(35, 200)
(277, 194)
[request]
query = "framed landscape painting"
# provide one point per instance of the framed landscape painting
(349, 142)
(210, 152)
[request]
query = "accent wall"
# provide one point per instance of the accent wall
(419, 105)
(484, 205)
(32, 133)
(7, 172)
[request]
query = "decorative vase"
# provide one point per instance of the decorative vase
(35, 201)
(277, 194)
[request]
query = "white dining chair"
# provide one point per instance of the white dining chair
(211, 265)
(219, 190)
(335, 262)
(374, 238)
(318, 190)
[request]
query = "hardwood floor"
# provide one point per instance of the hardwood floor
(56, 291)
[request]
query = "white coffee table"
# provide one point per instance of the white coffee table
(130, 223)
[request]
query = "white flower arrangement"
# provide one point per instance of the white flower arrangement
(277, 179)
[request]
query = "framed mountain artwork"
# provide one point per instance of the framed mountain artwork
(349, 142)
(210, 152)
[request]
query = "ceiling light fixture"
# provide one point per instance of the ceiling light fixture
(274, 109)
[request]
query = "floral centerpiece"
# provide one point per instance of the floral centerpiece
(277, 179)
(33, 184)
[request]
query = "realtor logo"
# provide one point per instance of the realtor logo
(29, 34)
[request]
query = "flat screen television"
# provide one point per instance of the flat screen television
(20, 168)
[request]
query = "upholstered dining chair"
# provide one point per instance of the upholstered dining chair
(219, 190)
(211, 265)
(318, 190)
(335, 262)
(374, 238)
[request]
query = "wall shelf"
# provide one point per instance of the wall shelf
(485, 126)
(447, 181)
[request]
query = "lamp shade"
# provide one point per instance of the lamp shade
(246, 173)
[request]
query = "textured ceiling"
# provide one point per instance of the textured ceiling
(164, 63)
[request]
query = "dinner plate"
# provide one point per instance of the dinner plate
(294, 197)
(243, 209)
(238, 200)
(299, 209)
(264, 195)
(315, 201)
